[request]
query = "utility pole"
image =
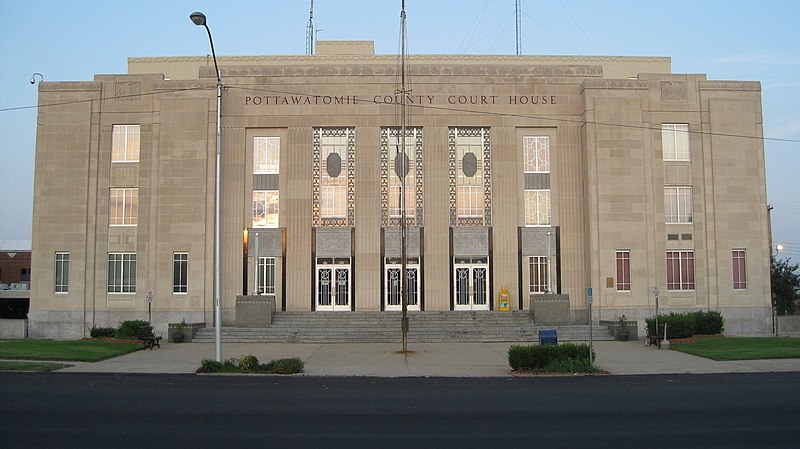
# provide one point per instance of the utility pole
(519, 27)
(310, 31)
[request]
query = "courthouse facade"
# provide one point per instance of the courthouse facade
(535, 174)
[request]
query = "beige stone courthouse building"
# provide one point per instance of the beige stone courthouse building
(538, 174)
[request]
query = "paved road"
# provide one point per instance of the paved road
(87, 410)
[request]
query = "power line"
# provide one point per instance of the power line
(419, 106)
(550, 118)
(116, 97)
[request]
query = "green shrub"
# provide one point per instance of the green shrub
(571, 366)
(130, 329)
(212, 366)
(708, 323)
(248, 364)
(686, 325)
(102, 332)
(284, 366)
(540, 357)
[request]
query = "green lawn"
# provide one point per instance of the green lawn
(41, 367)
(743, 348)
(68, 350)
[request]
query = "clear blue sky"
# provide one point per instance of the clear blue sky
(727, 40)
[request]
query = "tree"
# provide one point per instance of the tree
(785, 280)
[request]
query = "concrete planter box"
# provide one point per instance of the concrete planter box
(632, 328)
(188, 332)
(550, 310)
(254, 310)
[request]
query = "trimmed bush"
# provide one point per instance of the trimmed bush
(541, 357)
(708, 323)
(248, 364)
(212, 366)
(284, 366)
(102, 332)
(571, 366)
(130, 329)
(686, 325)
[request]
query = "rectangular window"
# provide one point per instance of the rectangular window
(180, 272)
(538, 274)
(62, 273)
(739, 269)
(678, 204)
(537, 208)
(25, 275)
(469, 180)
(333, 177)
(265, 208)
(125, 143)
(123, 207)
(675, 141)
(121, 272)
(623, 271)
(680, 270)
(266, 276)
(266, 155)
(536, 152)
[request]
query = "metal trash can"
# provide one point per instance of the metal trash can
(548, 337)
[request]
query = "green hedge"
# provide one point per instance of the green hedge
(686, 325)
(550, 358)
(249, 364)
(102, 332)
(130, 329)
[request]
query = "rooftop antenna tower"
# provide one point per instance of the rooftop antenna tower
(519, 27)
(310, 31)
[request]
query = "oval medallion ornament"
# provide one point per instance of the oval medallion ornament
(334, 165)
(401, 165)
(469, 165)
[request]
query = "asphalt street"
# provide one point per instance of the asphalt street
(88, 410)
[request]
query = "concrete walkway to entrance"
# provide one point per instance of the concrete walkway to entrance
(424, 359)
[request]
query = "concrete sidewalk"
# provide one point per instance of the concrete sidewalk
(425, 359)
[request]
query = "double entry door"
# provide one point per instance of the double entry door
(333, 284)
(393, 280)
(471, 284)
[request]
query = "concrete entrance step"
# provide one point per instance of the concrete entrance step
(384, 327)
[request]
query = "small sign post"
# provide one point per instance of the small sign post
(150, 298)
(655, 297)
(589, 291)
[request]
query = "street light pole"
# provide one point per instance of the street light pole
(199, 19)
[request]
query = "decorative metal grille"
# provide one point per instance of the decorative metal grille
(387, 165)
(316, 163)
(486, 220)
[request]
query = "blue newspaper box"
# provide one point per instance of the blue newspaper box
(548, 337)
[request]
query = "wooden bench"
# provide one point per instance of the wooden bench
(149, 338)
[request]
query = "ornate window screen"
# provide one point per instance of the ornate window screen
(390, 181)
(536, 150)
(333, 177)
(470, 177)
(266, 155)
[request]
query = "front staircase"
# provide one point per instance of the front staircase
(384, 327)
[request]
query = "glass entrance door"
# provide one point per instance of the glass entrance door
(471, 284)
(392, 300)
(333, 283)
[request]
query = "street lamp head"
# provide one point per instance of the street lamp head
(779, 248)
(198, 18)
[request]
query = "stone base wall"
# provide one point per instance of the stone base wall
(68, 324)
(787, 325)
(738, 320)
(13, 329)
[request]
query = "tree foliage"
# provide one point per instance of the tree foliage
(785, 285)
